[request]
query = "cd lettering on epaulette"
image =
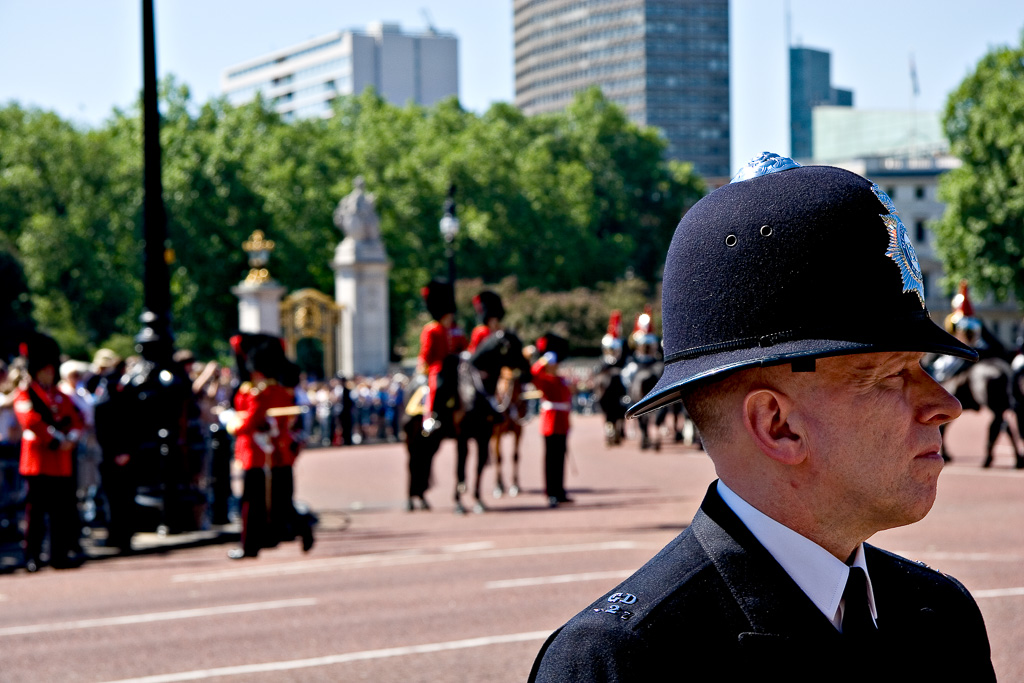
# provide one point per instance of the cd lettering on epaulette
(901, 250)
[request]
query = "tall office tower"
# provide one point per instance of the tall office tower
(665, 61)
(810, 85)
(304, 79)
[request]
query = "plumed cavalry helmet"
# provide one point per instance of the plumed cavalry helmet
(785, 264)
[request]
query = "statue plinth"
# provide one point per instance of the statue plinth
(350, 250)
(259, 306)
(361, 271)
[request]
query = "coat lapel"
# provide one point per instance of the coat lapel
(777, 610)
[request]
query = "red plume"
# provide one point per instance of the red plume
(615, 324)
(962, 301)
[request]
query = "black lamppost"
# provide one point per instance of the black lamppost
(158, 389)
(155, 337)
(449, 229)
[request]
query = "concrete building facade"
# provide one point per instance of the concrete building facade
(666, 62)
(304, 79)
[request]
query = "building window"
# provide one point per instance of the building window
(920, 236)
(919, 192)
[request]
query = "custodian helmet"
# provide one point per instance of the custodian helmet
(789, 263)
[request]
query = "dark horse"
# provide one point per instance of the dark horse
(511, 396)
(989, 383)
(467, 410)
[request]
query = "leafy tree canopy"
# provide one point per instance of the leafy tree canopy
(557, 202)
(981, 235)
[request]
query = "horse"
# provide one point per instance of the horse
(509, 393)
(613, 398)
(467, 410)
(989, 383)
(641, 376)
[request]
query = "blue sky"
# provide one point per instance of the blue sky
(83, 57)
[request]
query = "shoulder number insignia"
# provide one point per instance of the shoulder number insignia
(616, 609)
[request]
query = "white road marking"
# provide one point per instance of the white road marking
(156, 616)
(562, 578)
(998, 593)
(329, 660)
(467, 547)
(394, 560)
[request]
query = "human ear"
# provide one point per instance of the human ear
(768, 417)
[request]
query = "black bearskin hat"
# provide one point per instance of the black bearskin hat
(39, 352)
(439, 296)
(488, 305)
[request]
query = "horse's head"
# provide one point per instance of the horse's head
(502, 349)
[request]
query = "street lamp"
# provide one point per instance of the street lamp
(449, 229)
(259, 250)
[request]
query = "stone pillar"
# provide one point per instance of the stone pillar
(259, 307)
(361, 289)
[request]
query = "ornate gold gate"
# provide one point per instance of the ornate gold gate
(309, 313)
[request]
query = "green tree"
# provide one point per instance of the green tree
(55, 220)
(563, 202)
(981, 234)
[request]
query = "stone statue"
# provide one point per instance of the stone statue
(356, 215)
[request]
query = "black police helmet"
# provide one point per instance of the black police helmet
(789, 262)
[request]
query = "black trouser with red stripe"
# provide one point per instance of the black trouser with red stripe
(554, 465)
(52, 497)
(254, 511)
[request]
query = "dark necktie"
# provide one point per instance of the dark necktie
(857, 621)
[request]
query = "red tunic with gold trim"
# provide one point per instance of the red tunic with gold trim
(256, 435)
(436, 343)
(38, 456)
(477, 336)
(281, 430)
(556, 402)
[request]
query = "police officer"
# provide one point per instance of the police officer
(51, 427)
(823, 430)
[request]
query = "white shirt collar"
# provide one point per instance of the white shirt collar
(818, 573)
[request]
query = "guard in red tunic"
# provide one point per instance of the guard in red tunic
(554, 413)
(439, 339)
(489, 312)
(254, 434)
(50, 427)
(286, 523)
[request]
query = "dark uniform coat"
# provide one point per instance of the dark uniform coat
(715, 605)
